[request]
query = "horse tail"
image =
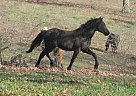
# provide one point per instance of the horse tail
(37, 41)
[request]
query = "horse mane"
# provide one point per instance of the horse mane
(87, 25)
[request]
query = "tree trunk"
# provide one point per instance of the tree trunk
(125, 8)
(1, 61)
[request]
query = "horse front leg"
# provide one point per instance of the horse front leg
(88, 51)
(76, 52)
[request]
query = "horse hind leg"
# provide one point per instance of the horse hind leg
(51, 61)
(46, 52)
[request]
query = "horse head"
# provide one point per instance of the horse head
(97, 24)
(102, 27)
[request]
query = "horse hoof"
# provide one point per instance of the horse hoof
(68, 68)
(28, 51)
(96, 67)
(53, 65)
(36, 66)
(95, 70)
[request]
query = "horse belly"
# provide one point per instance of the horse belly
(68, 46)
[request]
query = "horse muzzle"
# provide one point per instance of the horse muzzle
(107, 33)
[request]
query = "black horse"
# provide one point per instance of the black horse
(76, 40)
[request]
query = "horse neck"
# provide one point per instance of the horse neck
(90, 33)
(88, 29)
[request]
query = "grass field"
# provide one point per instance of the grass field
(34, 82)
(20, 22)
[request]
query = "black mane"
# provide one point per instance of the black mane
(87, 25)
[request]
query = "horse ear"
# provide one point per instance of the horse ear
(101, 18)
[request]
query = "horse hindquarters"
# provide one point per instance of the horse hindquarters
(57, 52)
(46, 52)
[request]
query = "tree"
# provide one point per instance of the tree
(125, 8)
(1, 61)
